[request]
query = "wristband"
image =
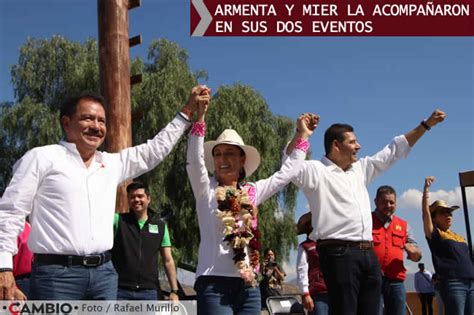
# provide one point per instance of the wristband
(199, 129)
(302, 144)
(306, 294)
(6, 269)
(174, 291)
(425, 125)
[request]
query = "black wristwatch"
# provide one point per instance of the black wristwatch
(425, 125)
(174, 291)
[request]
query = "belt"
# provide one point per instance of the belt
(392, 280)
(135, 288)
(71, 260)
(357, 244)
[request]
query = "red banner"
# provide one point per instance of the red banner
(331, 18)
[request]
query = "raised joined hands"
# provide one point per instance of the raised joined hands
(306, 124)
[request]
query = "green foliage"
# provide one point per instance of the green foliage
(50, 70)
(167, 82)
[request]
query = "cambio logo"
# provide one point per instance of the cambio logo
(17, 308)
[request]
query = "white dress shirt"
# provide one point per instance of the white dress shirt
(72, 206)
(215, 255)
(339, 200)
(302, 268)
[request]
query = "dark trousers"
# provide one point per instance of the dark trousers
(137, 295)
(353, 279)
(426, 300)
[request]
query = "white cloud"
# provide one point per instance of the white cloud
(411, 199)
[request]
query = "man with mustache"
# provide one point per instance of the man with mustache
(336, 189)
(70, 190)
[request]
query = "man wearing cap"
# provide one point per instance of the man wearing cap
(424, 288)
(139, 235)
(70, 190)
(336, 189)
(392, 237)
(310, 277)
(450, 254)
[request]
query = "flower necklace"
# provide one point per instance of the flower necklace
(239, 217)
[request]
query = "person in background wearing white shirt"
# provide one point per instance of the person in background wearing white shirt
(309, 275)
(336, 189)
(424, 288)
(70, 190)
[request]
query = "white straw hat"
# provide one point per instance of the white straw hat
(230, 136)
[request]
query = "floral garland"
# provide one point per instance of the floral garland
(239, 217)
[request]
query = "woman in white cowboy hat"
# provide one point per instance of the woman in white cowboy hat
(227, 213)
(450, 253)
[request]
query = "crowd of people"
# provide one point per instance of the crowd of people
(350, 263)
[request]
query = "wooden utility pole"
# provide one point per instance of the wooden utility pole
(114, 69)
(466, 179)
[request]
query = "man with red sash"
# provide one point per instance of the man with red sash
(392, 236)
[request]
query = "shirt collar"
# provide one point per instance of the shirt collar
(71, 147)
(386, 220)
(332, 166)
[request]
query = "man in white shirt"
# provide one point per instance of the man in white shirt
(425, 289)
(336, 189)
(70, 190)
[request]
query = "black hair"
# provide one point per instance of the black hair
(137, 185)
(68, 108)
(385, 189)
(242, 175)
(267, 250)
(335, 132)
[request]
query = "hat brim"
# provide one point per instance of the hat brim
(445, 208)
(252, 157)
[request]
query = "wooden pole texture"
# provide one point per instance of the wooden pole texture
(114, 68)
(466, 179)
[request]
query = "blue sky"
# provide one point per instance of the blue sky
(383, 86)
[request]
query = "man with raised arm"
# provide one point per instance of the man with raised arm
(69, 190)
(336, 189)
